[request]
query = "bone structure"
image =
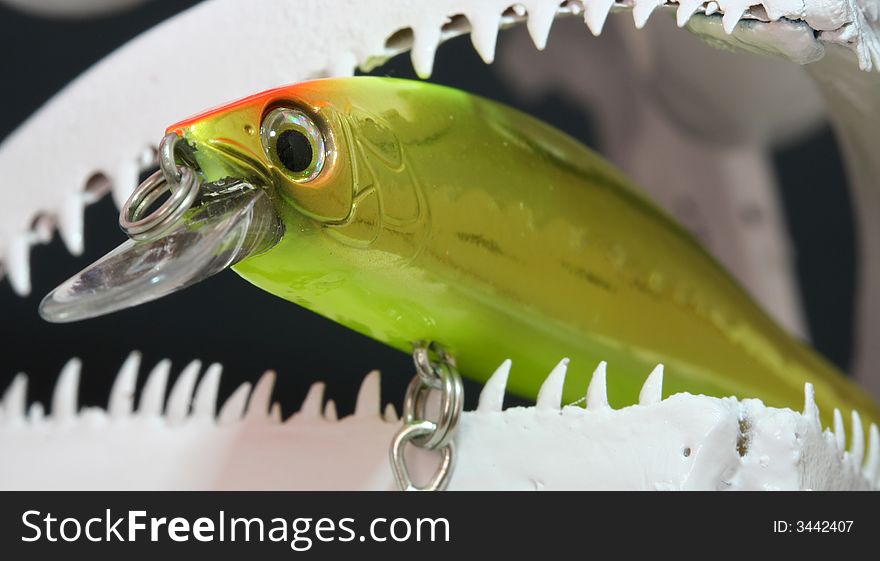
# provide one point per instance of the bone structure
(182, 441)
(682, 442)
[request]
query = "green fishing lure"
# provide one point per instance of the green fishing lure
(409, 211)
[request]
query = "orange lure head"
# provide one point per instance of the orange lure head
(292, 157)
(294, 141)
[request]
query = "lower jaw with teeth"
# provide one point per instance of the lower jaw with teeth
(683, 442)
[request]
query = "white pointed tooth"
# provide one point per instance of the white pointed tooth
(484, 33)
(597, 392)
(872, 467)
(70, 222)
(17, 262)
(540, 21)
(153, 394)
(313, 403)
(15, 398)
(205, 400)
(181, 396)
(65, 397)
(652, 389)
(869, 57)
(369, 398)
(261, 397)
(233, 408)
(550, 394)
(857, 448)
(425, 41)
(595, 14)
(36, 413)
(330, 411)
(123, 181)
(121, 402)
(275, 413)
(811, 410)
(839, 431)
(712, 8)
(518, 9)
(686, 9)
(733, 12)
(642, 10)
(775, 9)
(390, 415)
(729, 21)
(492, 396)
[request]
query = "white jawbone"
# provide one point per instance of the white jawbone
(683, 442)
(730, 444)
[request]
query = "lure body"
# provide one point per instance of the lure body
(439, 215)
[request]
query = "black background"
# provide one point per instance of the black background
(226, 320)
(506, 525)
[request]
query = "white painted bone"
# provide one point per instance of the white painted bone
(683, 442)
(854, 107)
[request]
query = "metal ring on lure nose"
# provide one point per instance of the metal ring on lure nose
(143, 228)
(184, 185)
(167, 158)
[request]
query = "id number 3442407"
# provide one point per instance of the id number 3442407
(812, 526)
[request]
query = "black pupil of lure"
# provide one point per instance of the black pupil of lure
(294, 150)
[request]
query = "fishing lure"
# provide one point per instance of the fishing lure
(409, 211)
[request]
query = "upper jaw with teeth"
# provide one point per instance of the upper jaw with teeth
(852, 23)
(183, 84)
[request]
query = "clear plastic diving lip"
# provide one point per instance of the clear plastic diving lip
(213, 236)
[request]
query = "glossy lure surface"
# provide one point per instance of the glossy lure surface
(412, 211)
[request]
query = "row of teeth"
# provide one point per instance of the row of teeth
(483, 22)
(190, 398)
(833, 21)
(15, 256)
(193, 400)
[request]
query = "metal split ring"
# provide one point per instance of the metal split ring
(427, 368)
(433, 374)
(182, 182)
(168, 158)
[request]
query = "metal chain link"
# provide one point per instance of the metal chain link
(435, 372)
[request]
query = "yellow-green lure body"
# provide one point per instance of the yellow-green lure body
(469, 223)
(438, 215)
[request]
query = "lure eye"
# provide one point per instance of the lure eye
(294, 143)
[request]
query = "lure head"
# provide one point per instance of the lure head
(291, 141)
(305, 158)
(319, 147)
